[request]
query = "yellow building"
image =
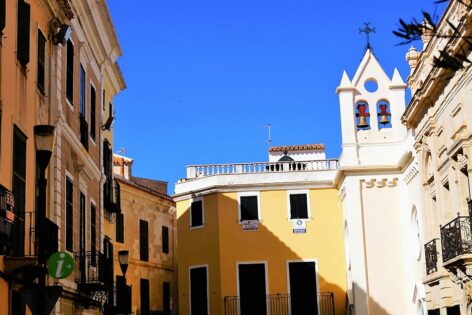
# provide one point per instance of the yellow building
(146, 228)
(259, 237)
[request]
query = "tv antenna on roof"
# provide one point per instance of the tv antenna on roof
(269, 140)
(122, 151)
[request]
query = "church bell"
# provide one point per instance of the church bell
(384, 114)
(362, 122)
(384, 119)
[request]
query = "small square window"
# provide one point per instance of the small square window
(196, 213)
(249, 209)
(298, 206)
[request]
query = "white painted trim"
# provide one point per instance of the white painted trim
(203, 213)
(308, 199)
(266, 272)
(249, 194)
(190, 287)
(314, 260)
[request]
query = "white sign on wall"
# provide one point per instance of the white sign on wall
(298, 226)
(250, 225)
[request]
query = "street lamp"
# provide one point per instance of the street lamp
(44, 138)
(123, 257)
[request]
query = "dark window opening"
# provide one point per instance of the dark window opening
(166, 298)
(144, 288)
(196, 213)
(199, 291)
(92, 113)
(249, 208)
(70, 72)
(69, 215)
(120, 228)
(2, 15)
(41, 61)
(298, 206)
(82, 223)
(82, 92)
(93, 233)
(165, 240)
(23, 34)
(19, 190)
(143, 240)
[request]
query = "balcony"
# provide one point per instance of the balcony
(83, 132)
(7, 219)
(197, 171)
(456, 238)
(281, 304)
(431, 257)
(112, 196)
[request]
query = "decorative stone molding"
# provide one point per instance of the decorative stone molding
(411, 173)
(380, 182)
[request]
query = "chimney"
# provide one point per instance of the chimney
(122, 166)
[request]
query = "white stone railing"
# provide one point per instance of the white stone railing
(196, 171)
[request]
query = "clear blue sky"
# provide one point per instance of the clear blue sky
(204, 77)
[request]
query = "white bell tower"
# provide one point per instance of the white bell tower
(371, 106)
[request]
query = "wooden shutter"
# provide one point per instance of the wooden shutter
(23, 34)
(165, 240)
(92, 112)
(144, 288)
(93, 233)
(143, 240)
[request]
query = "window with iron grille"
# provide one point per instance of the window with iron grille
(143, 240)
(196, 214)
(69, 215)
(23, 33)
(41, 61)
(120, 228)
(298, 206)
(165, 240)
(249, 209)
(70, 72)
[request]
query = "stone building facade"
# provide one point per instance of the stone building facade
(440, 116)
(146, 227)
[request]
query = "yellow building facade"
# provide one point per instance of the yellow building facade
(146, 228)
(267, 237)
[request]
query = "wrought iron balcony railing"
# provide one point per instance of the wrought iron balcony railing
(281, 304)
(150, 312)
(92, 270)
(431, 256)
(112, 196)
(7, 219)
(83, 132)
(456, 238)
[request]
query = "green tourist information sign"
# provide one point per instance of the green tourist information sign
(60, 265)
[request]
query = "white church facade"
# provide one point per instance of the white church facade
(381, 195)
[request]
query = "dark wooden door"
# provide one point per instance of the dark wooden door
(198, 291)
(303, 290)
(252, 289)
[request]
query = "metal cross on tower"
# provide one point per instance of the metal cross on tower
(367, 30)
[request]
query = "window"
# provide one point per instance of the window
(70, 72)
(165, 240)
(120, 228)
(92, 112)
(248, 208)
(143, 240)
(166, 297)
(196, 213)
(298, 205)
(69, 215)
(41, 61)
(93, 233)
(82, 221)
(82, 91)
(23, 34)
(19, 189)
(2, 15)
(198, 291)
(144, 291)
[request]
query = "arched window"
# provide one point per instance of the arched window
(383, 114)
(363, 115)
(415, 234)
